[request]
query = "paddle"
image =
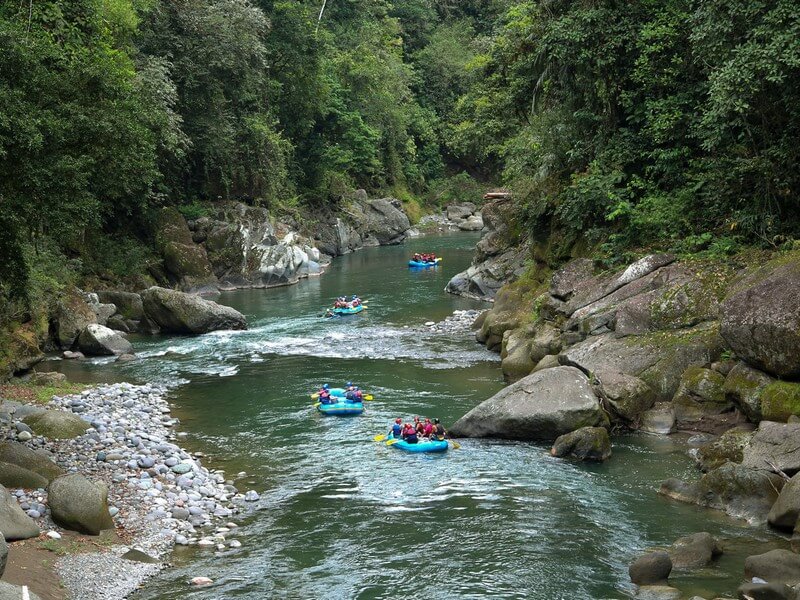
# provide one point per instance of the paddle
(456, 445)
(390, 442)
(380, 437)
(316, 404)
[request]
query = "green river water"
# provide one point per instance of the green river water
(342, 516)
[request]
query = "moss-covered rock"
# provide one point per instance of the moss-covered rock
(780, 400)
(700, 397)
(729, 447)
(628, 396)
(36, 461)
(586, 443)
(71, 316)
(57, 424)
(743, 386)
(185, 261)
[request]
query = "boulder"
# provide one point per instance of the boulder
(473, 223)
(729, 447)
(129, 305)
(651, 568)
(78, 504)
(761, 320)
(694, 551)
(627, 395)
(660, 419)
(774, 444)
(700, 400)
(103, 312)
(176, 312)
(586, 443)
(460, 211)
(14, 476)
(518, 363)
(786, 510)
(739, 491)
(9, 591)
(385, 221)
(743, 386)
(3, 555)
(98, 340)
(71, 316)
(47, 377)
(57, 424)
(775, 566)
(14, 523)
(565, 281)
(484, 279)
(35, 460)
(185, 262)
(135, 555)
(780, 400)
(658, 359)
(548, 362)
(766, 591)
(541, 406)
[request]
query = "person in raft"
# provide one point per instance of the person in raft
(353, 393)
(439, 431)
(417, 257)
(396, 430)
(409, 434)
(427, 428)
(355, 301)
(325, 394)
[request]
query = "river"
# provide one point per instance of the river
(342, 516)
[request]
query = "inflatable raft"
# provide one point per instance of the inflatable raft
(421, 446)
(348, 311)
(341, 408)
(420, 264)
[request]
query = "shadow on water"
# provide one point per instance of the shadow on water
(342, 516)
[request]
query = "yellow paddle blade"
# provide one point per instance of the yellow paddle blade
(380, 437)
(390, 442)
(456, 445)
(369, 397)
(316, 404)
(314, 396)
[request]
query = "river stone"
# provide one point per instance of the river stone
(628, 396)
(780, 401)
(98, 340)
(729, 447)
(786, 510)
(659, 420)
(460, 211)
(694, 551)
(14, 523)
(176, 312)
(14, 476)
(77, 503)
(775, 566)
(743, 386)
(57, 424)
(548, 362)
(129, 305)
(586, 443)
(761, 320)
(518, 364)
(739, 491)
(36, 461)
(472, 223)
(774, 444)
(766, 591)
(652, 568)
(9, 591)
(541, 406)
(47, 377)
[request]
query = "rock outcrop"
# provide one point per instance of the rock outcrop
(98, 340)
(365, 223)
(78, 504)
(176, 312)
(186, 264)
(694, 551)
(775, 566)
(542, 406)
(761, 320)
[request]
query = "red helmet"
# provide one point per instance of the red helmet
(398, 420)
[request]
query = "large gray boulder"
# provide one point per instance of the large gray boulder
(786, 510)
(729, 447)
(743, 386)
(541, 406)
(761, 320)
(14, 523)
(57, 424)
(98, 340)
(766, 591)
(78, 504)
(628, 396)
(185, 262)
(694, 551)
(775, 566)
(9, 591)
(774, 445)
(460, 211)
(385, 221)
(71, 317)
(128, 304)
(586, 443)
(14, 476)
(176, 312)
(37, 461)
(566, 280)
(739, 491)
(700, 400)
(651, 568)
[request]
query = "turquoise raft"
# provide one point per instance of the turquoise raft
(420, 446)
(341, 408)
(417, 264)
(348, 311)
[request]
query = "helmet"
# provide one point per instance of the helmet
(436, 421)
(354, 296)
(349, 383)
(325, 386)
(398, 420)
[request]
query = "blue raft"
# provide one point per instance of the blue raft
(341, 408)
(421, 446)
(348, 311)
(417, 264)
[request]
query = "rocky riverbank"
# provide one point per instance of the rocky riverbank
(151, 491)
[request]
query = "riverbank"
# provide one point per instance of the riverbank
(159, 494)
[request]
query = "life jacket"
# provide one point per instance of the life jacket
(439, 429)
(427, 429)
(359, 395)
(410, 435)
(397, 430)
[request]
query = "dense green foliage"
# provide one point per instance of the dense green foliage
(668, 123)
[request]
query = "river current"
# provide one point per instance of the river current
(342, 516)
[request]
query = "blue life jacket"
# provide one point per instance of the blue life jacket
(397, 430)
